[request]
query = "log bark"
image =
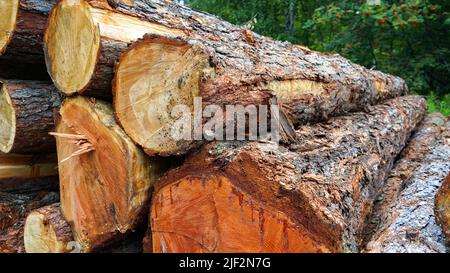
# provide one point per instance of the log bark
(410, 224)
(89, 34)
(228, 65)
(442, 207)
(312, 196)
(405, 167)
(13, 210)
(46, 231)
(26, 116)
(105, 178)
(253, 73)
(22, 27)
(28, 173)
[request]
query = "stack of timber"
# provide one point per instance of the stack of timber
(410, 224)
(312, 196)
(96, 81)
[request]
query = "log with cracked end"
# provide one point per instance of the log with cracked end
(420, 144)
(312, 196)
(46, 231)
(13, 211)
(410, 224)
(236, 64)
(28, 173)
(22, 26)
(228, 65)
(26, 116)
(105, 178)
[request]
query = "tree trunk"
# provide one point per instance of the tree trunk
(313, 196)
(405, 167)
(28, 173)
(410, 223)
(105, 178)
(26, 116)
(89, 34)
(225, 64)
(46, 231)
(231, 63)
(442, 207)
(22, 26)
(13, 210)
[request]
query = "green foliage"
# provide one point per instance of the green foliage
(438, 105)
(407, 38)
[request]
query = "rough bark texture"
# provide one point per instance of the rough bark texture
(31, 106)
(405, 167)
(28, 173)
(312, 196)
(105, 178)
(13, 210)
(410, 224)
(23, 56)
(46, 231)
(442, 207)
(111, 35)
(225, 64)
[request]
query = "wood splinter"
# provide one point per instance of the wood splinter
(83, 144)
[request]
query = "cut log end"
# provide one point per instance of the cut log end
(105, 178)
(152, 78)
(8, 17)
(72, 45)
(7, 120)
(221, 217)
(46, 231)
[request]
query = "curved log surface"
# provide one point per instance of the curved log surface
(259, 197)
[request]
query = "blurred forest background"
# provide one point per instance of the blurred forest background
(410, 39)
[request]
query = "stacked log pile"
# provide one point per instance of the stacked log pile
(351, 139)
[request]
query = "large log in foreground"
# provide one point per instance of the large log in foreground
(13, 210)
(46, 231)
(28, 173)
(410, 224)
(22, 26)
(260, 197)
(26, 116)
(405, 167)
(88, 35)
(104, 177)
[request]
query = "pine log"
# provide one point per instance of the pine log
(46, 231)
(22, 26)
(228, 65)
(26, 116)
(312, 196)
(410, 224)
(405, 167)
(28, 173)
(237, 63)
(442, 207)
(13, 210)
(105, 178)
(90, 35)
